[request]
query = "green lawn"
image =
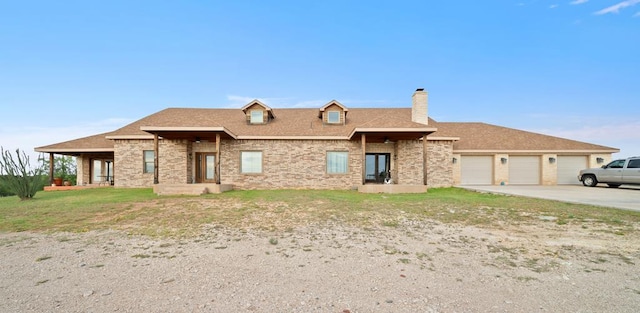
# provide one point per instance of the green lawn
(139, 211)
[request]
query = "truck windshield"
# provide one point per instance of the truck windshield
(616, 164)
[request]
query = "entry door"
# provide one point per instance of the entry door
(101, 171)
(205, 167)
(377, 167)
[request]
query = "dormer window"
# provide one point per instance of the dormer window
(333, 113)
(333, 117)
(257, 117)
(258, 113)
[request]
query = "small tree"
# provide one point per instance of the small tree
(17, 175)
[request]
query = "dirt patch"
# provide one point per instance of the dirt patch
(403, 265)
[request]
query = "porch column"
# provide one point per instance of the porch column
(218, 159)
(425, 158)
(364, 156)
(51, 164)
(155, 159)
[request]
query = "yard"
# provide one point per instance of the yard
(448, 250)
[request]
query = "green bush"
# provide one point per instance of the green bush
(4, 191)
(17, 176)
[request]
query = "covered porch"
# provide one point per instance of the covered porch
(94, 161)
(388, 155)
(203, 155)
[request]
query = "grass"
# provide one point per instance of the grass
(139, 211)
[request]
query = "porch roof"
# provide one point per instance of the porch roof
(91, 144)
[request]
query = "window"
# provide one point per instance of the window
(616, 164)
(337, 162)
(333, 117)
(148, 161)
(257, 117)
(634, 164)
(251, 162)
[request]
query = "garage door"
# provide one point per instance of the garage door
(568, 168)
(476, 170)
(524, 170)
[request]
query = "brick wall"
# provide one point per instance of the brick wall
(290, 164)
(500, 170)
(129, 162)
(439, 163)
(409, 162)
(286, 163)
(549, 170)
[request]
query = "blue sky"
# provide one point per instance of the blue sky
(566, 68)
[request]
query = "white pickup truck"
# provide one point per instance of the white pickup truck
(614, 174)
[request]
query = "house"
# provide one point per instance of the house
(198, 150)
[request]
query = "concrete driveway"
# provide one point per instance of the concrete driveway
(625, 197)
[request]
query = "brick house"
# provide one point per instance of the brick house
(194, 150)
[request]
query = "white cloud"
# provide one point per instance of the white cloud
(616, 7)
(553, 6)
(578, 2)
(637, 14)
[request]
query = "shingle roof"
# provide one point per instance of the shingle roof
(305, 123)
(487, 137)
(289, 122)
(95, 143)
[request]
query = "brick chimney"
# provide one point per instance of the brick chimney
(419, 105)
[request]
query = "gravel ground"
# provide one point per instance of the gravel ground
(411, 267)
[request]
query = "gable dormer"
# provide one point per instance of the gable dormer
(333, 113)
(258, 113)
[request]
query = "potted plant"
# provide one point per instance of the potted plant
(64, 171)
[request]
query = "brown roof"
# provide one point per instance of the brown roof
(305, 123)
(289, 122)
(95, 143)
(487, 137)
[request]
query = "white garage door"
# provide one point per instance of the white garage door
(524, 170)
(569, 167)
(476, 170)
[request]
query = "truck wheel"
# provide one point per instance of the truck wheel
(614, 185)
(589, 181)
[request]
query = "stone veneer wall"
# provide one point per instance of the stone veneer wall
(129, 160)
(290, 164)
(500, 170)
(286, 163)
(409, 162)
(439, 163)
(549, 170)
(592, 162)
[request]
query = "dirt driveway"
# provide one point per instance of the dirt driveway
(625, 197)
(415, 266)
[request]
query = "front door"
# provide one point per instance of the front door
(205, 167)
(377, 167)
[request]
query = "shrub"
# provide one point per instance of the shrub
(17, 176)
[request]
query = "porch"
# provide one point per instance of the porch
(190, 189)
(391, 188)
